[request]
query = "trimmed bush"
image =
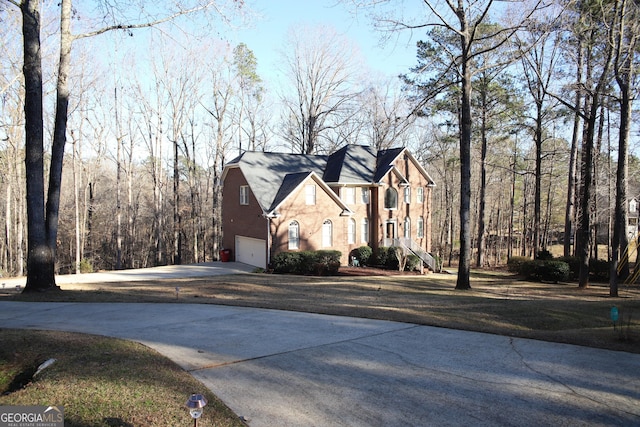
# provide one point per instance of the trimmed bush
(386, 258)
(574, 265)
(324, 262)
(546, 271)
(362, 254)
(286, 262)
(514, 264)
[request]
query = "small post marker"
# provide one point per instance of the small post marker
(615, 314)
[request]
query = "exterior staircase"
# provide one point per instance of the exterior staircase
(414, 248)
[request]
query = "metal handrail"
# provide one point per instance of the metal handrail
(414, 248)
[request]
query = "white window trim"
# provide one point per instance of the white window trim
(364, 234)
(407, 194)
(310, 194)
(293, 243)
(327, 240)
(349, 195)
(351, 231)
(364, 195)
(393, 208)
(244, 195)
(406, 224)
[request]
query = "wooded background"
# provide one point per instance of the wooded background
(153, 120)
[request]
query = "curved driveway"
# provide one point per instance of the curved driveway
(278, 368)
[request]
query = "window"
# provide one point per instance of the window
(310, 194)
(391, 198)
(633, 205)
(244, 194)
(365, 195)
(327, 234)
(407, 195)
(364, 235)
(420, 227)
(407, 227)
(420, 195)
(294, 235)
(351, 231)
(349, 195)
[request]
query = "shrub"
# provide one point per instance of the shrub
(386, 258)
(326, 262)
(85, 266)
(362, 254)
(286, 262)
(413, 263)
(544, 255)
(514, 264)
(574, 266)
(600, 269)
(546, 270)
(307, 262)
(554, 271)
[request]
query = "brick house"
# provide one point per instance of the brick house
(274, 202)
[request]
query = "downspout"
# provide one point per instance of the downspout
(269, 239)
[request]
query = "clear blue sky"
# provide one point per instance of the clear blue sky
(266, 36)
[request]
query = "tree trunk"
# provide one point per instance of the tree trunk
(537, 200)
(483, 182)
(624, 74)
(570, 211)
(40, 258)
(464, 267)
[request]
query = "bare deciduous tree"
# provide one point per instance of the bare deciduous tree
(43, 224)
(321, 67)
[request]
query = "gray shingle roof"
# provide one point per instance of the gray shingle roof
(352, 164)
(273, 176)
(270, 174)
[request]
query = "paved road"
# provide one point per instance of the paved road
(279, 368)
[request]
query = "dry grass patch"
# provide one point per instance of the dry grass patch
(497, 303)
(102, 381)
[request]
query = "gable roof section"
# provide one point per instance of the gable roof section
(292, 182)
(273, 177)
(352, 164)
(385, 164)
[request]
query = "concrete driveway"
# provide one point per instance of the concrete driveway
(278, 368)
(203, 269)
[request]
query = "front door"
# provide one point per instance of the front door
(390, 232)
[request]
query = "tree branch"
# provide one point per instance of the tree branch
(145, 24)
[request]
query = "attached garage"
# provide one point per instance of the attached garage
(251, 251)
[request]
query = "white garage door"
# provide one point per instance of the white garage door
(251, 251)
